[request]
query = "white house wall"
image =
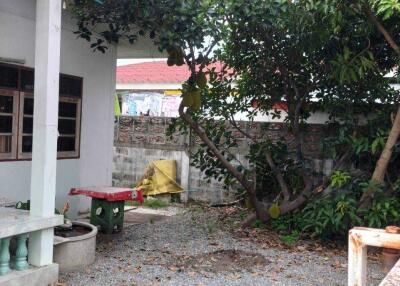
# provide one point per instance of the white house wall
(17, 34)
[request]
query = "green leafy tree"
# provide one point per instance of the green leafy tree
(325, 55)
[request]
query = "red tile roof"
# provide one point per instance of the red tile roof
(154, 72)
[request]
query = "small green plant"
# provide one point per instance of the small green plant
(282, 223)
(242, 215)
(150, 203)
(132, 204)
(210, 226)
(197, 210)
(379, 142)
(371, 184)
(257, 224)
(155, 203)
(291, 238)
(339, 179)
(384, 209)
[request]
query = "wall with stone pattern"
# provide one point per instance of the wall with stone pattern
(140, 140)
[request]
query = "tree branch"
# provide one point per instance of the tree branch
(384, 159)
(382, 29)
(268, 155)
(296, 120)
(203, 136)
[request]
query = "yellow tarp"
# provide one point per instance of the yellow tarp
(172, 92)
(160, 178)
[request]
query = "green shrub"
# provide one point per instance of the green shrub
(325, 217)
(291, 238)
(257, 224)
(332, 215)
(339, 178)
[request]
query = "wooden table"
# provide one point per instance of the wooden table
(107, 210)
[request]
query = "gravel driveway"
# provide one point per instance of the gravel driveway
(190, 249)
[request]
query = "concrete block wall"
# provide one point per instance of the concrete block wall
(140, 140)
(130, 163)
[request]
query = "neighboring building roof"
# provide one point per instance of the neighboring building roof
(154, 72)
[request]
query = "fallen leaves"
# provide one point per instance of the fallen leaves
(173, 268)
(161, 257)
(218, 261)
(337, 264)
(236, 276)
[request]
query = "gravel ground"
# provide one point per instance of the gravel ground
(156, 253)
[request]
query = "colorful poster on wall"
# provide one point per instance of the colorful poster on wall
(170, 105)
(143, 103)
(128, 105)
(151, 103)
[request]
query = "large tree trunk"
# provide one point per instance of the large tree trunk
(260, 208)
(268, 156)
(383, 162)
(284, 208)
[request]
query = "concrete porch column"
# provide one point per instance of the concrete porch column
(45, 126)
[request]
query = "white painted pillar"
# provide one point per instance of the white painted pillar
(45, 124)
(357, 264)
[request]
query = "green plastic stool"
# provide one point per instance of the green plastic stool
(108, 215)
